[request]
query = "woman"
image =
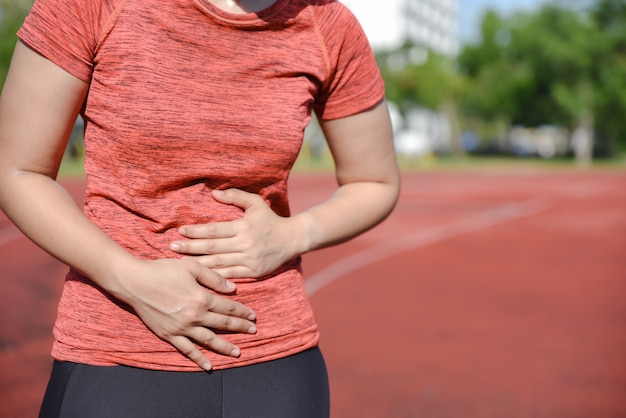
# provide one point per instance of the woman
(185, 257)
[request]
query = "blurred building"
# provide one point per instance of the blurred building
(432, 24)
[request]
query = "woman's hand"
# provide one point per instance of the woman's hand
(252, 246)
(173, 298)
(261, 241)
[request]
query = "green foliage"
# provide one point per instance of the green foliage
(532, 69)
(12, 15)
(553, 66)
(610, 106)
(610, 17)
(417, 77)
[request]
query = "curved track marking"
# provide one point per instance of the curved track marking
(422, 238)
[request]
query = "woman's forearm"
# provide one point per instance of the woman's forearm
(368, 177)
(353, 209)
(38, 107)
(261, 241)
(48, 215)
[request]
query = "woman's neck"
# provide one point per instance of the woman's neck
(242, 6)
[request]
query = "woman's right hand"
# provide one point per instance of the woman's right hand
(174, 299)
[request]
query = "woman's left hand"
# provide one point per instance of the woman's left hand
(252, 246)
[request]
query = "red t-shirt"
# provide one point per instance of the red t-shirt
(185, 98)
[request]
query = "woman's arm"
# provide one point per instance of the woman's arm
(261, 241)
(38, 107)
(367, 174)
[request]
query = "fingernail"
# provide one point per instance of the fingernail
(252, 330)
(235, 352)
(182, 231)
(207, 366)
(252, 316)
(174, 246)
(218, 192)
(230, 285)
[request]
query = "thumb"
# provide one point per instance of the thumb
(236, 197)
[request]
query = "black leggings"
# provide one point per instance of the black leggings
(295, 386)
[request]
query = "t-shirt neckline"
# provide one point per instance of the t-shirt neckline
(242, 18)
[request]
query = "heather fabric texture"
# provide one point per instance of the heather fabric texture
(185, 98)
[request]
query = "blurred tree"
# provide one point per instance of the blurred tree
(418, 78)
(554, 66)
(494, 78)
(415, 76)
(12, 13)
(610, 106)
(519, 70)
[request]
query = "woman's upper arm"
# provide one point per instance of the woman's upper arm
(362, 146)
(38, 107)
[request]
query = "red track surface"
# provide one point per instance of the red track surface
(486, 294)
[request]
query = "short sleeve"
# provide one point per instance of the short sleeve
(66, 32)
(355, 83)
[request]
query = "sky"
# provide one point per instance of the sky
(372, 13)
(471, 12)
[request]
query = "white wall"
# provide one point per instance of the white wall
(382, 21)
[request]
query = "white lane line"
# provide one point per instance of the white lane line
(9, 233)
(424, 237)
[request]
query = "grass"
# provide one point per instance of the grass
(324, 163)
(71, 167)
(473, 162)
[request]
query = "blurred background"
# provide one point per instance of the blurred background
(503, 265)
(529, 79)
(521, 78)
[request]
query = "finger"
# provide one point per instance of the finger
(189, 350)
(229, 323)
(236, 197)
(222, 305)
(209, 279)
(219, 261)
(208, 339)
(227, 266)
(210, 230)
(203, 246)
(237, 272)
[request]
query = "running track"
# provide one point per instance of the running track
(486, 294)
